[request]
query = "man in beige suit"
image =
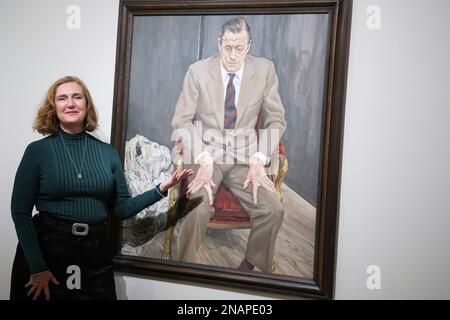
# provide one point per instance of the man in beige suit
(216, 115)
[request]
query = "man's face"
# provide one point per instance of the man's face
(234, 49)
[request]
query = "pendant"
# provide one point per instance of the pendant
(79, 176)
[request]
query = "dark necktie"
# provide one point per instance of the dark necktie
(230, 107)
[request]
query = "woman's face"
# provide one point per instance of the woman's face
(70, 105)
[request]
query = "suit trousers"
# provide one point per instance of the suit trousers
(266, 216)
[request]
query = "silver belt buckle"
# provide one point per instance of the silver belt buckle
(80, 229)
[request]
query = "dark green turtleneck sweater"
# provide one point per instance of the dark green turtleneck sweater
(47, 179)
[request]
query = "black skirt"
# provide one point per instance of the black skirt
(82, 263)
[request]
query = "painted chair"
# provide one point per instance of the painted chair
(228, 213)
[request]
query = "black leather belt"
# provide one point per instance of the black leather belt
(68, 226)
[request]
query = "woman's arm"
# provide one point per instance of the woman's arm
(25, 192)
(125, 206)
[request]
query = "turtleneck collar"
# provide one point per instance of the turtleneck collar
(74, 136)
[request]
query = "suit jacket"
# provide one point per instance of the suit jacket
(202, 99)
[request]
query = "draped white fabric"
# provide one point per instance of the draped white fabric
(146, 165)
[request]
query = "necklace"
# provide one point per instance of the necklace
(79, 172)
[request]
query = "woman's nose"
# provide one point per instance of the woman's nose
(70, 103)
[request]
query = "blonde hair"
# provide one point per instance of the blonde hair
(47, 122)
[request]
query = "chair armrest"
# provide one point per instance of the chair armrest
(279, 168)
(174, 194)
(279, 178)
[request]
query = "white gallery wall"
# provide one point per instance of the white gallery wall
(395, 191)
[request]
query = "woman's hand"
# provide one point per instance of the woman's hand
(39, 282)
(176, 177)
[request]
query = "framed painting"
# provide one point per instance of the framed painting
(296, 54)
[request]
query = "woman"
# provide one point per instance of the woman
(74, 180)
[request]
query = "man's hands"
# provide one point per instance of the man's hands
(258, 178)
(176, 177)
(203, 179)
(39, 282)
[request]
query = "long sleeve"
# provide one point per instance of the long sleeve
(123, 205)
(272, 110)
(25, 192)
(46, 179)
(185, 112)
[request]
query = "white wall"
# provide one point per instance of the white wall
(395, 207)
(395, 192)
(36, 49)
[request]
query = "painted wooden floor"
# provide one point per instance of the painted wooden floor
(294, 249)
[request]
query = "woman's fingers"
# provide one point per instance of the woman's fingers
(31, 290)
(37, 293)
(189, 172)
(47, 293)
(185, 173)
(54, 280)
